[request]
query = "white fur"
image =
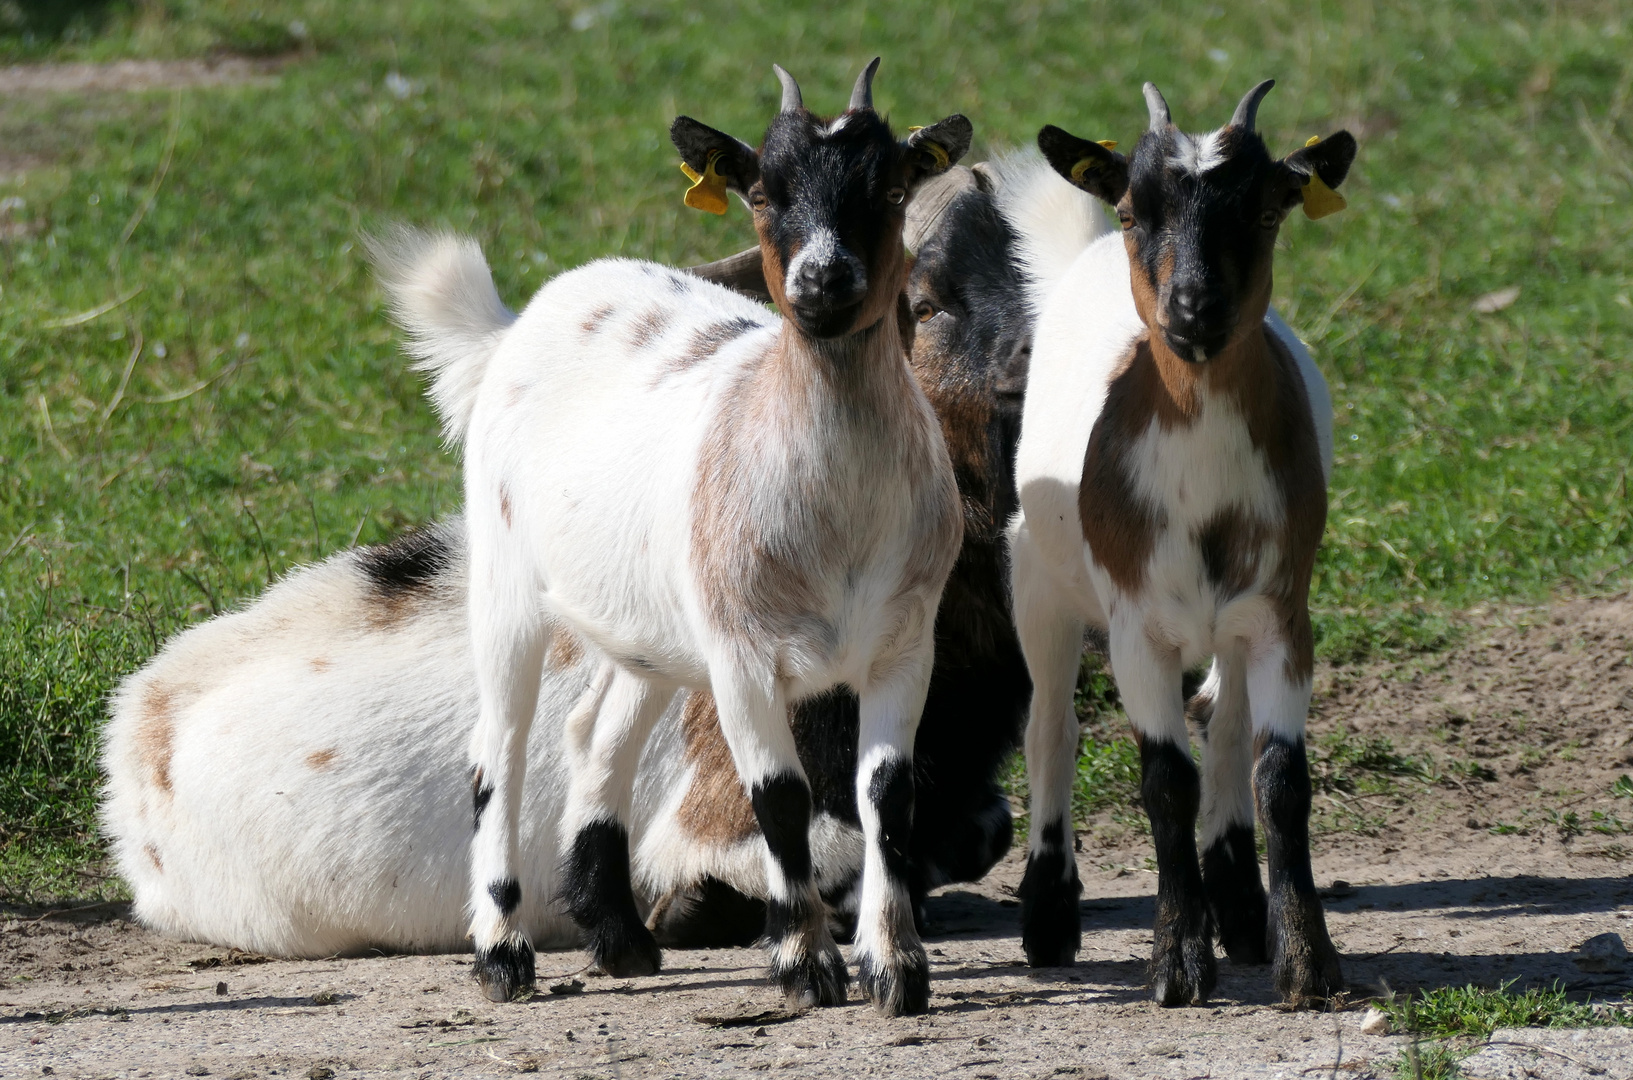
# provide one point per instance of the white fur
(1198, 154)
(1053, 220)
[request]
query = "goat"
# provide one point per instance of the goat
(712, 498)
(258, 797)
(1172, 469)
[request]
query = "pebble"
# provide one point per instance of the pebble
(1375, 1022)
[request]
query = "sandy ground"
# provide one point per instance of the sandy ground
(1466, 871)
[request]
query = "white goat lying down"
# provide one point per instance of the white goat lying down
(260, 794)
(1175, 445)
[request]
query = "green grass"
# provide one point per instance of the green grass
(1457, 1017)
(243, 408)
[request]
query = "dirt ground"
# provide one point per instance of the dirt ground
(1469, 843)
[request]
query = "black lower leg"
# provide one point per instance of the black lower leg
(804, 960)
(1051, 926)
(598, 895)
(1183, 968)
(1306, 964)
(896, 977)
(1230, 879)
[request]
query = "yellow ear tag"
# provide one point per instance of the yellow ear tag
(1319, 199)
(1091, 163)
(934, 149)
(708, 191)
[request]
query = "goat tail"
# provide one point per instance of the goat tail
(442, 295)
(1053, 221)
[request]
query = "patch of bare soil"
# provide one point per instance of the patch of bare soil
(1536, 698)
(130, 75)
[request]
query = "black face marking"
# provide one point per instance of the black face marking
(481, 793)
(890, 790)
(782, 805)
(596, 890)
(506, 895)
(409, 564)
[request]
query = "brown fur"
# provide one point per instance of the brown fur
(504, 504)
(320, 664)
(156, 734)
(648, 326)
(592, 323)
(152, 854)
(715, 809)
(564, 650)
(321, 760)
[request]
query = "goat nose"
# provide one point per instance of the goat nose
(1193, 308)
(830, 279)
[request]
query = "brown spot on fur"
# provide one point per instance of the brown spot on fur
(514, 394)
(319, 760)
(592, 322)
(319, 664)
(565, 649)
(504, 504)
(716, 808)
(156, 734)
(648, 326)
(152, 854)
(706, 341)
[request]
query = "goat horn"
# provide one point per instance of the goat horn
(1247, 113)
(1159, 108)
(862, 95)
(791, 100)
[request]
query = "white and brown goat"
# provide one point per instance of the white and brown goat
(1172, 477)
(712, 497)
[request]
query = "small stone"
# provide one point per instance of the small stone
(1601, 954)
(197, 1070)
(1375, 1022)
(325, 997)
(221, 989)
(574, 987)
(320, 1072)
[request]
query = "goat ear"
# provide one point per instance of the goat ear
(1097, 168)
(935, 149)
(1314, 173)
(734, 160)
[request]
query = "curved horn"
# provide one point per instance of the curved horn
(791, 100)
(1247, 113)
(1159, 107)
(862, 95)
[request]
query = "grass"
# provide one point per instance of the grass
(238, 406)
(1459, 1017)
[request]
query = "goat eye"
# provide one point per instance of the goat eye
(1126, 219)
(895, 196)
(757, 200)
(924, 311)
(1270, 219)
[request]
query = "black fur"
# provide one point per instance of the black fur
(505, 970)
(903, 991)
(1051, 927)
(782, 806)
(891, 793)
(1305, 964)
(711, 915)
(596, 890)
(411, 563)
(481, 794)
(506, 894)
(1183, 968)
(1230, 879)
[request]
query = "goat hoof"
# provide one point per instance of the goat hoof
(626, 951)
(1305, 970)
(1183, 967)
(899, 986)
(1051, 927)
(505, 970)
(818, 979)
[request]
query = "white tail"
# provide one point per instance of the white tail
(442, 295)
(1053, 221)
